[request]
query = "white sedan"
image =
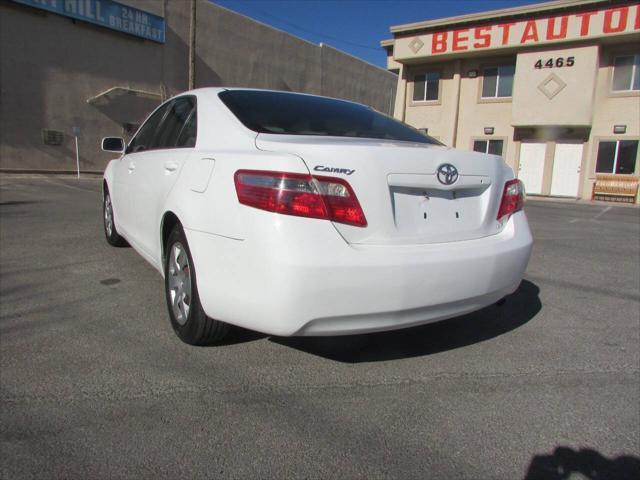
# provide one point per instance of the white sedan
(295, 214)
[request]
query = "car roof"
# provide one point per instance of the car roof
(209, 91)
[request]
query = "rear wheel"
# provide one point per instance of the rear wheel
(113, 238)
(188, 319)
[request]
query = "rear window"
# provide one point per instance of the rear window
(294, 114)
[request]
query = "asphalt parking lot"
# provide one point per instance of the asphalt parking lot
(94, 383)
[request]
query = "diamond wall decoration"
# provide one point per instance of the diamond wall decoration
(416, 44)
(552, 86)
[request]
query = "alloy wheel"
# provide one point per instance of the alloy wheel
(108, 215)
(179, 282)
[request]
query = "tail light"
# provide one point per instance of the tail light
(512, 198)
(301, 195)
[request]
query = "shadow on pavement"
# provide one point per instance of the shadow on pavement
(12, 208)
(241, 335)
(450, 334)
(11, 203)
(566, 463)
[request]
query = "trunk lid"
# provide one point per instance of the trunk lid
(398, 188)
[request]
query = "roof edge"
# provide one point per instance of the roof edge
(492, 14)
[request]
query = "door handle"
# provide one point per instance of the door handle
(170, 166)
(132, 167)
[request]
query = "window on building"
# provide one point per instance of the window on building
(493, 147)
(626, 73)
(497, 82)
(617, 157)
(426, 87)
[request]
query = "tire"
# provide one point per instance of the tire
(188, 319)
(110, 232)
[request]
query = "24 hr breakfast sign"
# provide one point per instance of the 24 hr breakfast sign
(577, 26)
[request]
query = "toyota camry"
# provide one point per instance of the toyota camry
(294, 214)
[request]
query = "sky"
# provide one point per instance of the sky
(355, 26)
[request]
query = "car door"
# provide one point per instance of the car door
(157, 170)
(123, 189)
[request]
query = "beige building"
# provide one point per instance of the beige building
(552, 87)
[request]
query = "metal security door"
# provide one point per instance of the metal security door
(566, 169)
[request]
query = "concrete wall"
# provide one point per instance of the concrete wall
(436, 116)
(343, 77)
(439, 117)
(50, 65)
(611, 109)
(477, 113)
(573, 105)
(235, 51)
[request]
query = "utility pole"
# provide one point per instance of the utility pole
(192, 46)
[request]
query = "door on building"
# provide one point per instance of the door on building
(531, 168)
(566, 169)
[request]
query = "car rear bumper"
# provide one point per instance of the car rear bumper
(305, 279)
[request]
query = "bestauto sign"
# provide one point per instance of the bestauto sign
(578, 26)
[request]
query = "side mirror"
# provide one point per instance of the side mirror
(113, 144)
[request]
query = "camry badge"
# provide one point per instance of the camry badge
(447, 174)
(322, 168)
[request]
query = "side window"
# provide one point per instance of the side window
(426, 86)
(626, 73)
(617, 157)
(187, 138)
(174, 123)
(144, 139)
(497, 82)
(493, 147)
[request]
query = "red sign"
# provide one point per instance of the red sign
(597, 23)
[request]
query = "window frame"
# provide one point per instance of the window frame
(596, 147)
(193, 113)
(194, 99)
(167, 106)
(496, 98)
(635, 72)
(504, 141)
(426, 73)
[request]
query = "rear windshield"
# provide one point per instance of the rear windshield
(294, 114)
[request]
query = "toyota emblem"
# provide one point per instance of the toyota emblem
(447, 174)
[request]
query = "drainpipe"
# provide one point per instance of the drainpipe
(456, 79)
(192, 46)
(163, 85)
(400, 107)
(391, 101)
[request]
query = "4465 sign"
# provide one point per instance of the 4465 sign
(558, 62)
